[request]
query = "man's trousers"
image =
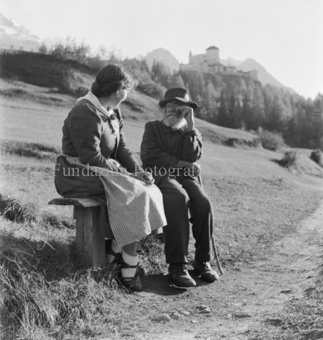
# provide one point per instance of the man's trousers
(178, 196)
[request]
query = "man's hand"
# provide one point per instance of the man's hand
(188, 114)
(143, 176)
(194, 167)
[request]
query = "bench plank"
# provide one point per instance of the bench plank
(79, 202)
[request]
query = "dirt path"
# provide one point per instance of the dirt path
(241, 300)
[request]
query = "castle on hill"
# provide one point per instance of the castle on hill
(210, 63)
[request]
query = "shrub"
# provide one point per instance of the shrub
(271, 140)
(316, 156)
(69, 49)
(289, 159)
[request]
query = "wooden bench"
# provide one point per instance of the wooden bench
(90, 244)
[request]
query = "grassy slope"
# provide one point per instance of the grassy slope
(256, 202)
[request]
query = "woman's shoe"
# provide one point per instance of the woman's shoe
(111, 256)
(133, 283)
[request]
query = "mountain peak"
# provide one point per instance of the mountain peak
(164, 56)
(15, 36)
(263, 75)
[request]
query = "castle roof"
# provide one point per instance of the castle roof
(212, 48)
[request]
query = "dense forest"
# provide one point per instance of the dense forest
(239, 102)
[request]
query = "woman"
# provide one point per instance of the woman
(97, 163)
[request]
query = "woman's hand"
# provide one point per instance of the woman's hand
(143, 176)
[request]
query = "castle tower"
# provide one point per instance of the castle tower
(212, 56)
(190, 58)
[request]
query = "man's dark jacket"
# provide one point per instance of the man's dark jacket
(163, 147)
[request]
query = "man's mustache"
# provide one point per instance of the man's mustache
(177, 112)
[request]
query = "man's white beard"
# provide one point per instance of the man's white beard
(175, 123)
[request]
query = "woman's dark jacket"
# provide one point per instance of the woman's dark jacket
(96, 139)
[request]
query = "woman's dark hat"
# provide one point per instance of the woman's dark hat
(179, 94)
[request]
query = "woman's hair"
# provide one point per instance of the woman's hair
(110, 79)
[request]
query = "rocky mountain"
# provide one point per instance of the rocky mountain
(15, 36)
(263, 75)
(163, 56)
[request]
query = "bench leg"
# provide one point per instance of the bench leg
(90, 243)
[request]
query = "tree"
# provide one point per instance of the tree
(246, 111)
(223, 116)
(176, 80)
(160, 73)
(43, 48)
(318, 120)
(302, 127)
(273, 120)
(237, 115)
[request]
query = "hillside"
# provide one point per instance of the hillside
(46, 71)
(71, 78)
(258, 208)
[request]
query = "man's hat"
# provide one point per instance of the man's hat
(179, 94)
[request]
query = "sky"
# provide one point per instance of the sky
(284, 36)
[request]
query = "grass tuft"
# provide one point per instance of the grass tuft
(46, 290)
(57, 221)
(13, 210)
(35, 150)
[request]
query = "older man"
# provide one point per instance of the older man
(170, 149)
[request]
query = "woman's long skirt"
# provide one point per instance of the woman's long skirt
(130, 209)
